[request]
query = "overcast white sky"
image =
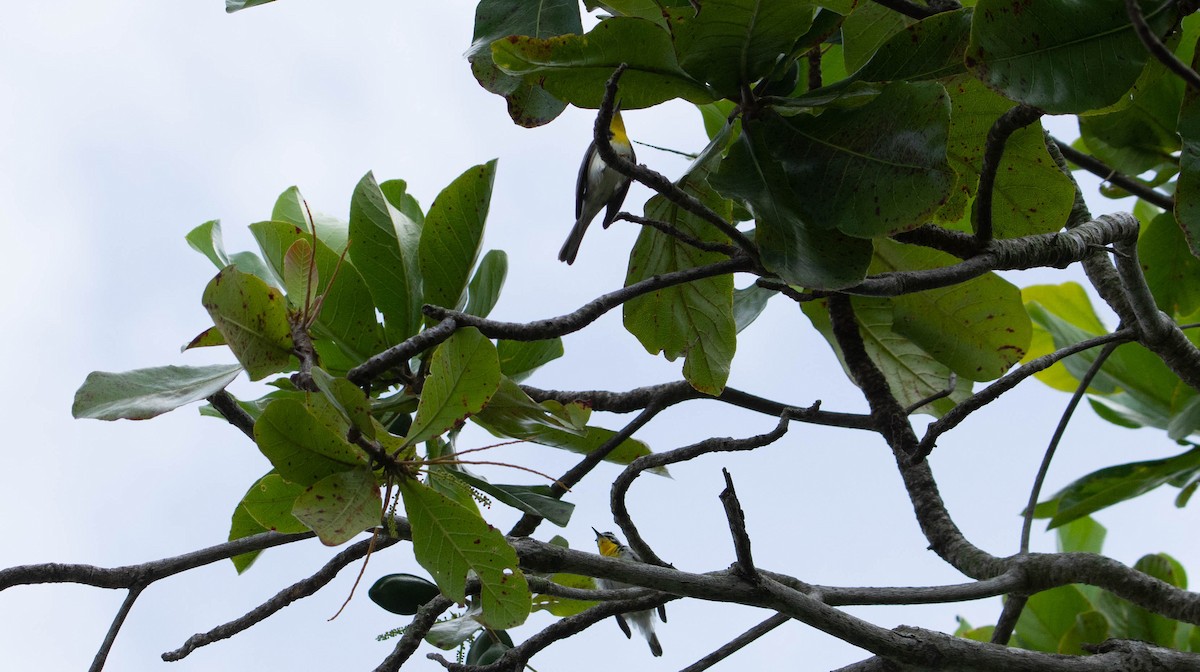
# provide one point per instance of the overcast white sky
(123, 125)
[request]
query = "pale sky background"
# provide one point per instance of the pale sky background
(124, 125)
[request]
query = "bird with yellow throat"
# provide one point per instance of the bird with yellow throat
(611, 547)
(598, 186)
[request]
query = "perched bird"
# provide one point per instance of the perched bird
(643, 620)
(599, 185)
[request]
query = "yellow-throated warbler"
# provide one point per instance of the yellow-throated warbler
(599, 185)
(611, 547)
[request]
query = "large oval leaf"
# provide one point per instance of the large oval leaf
(300, 447)
(145, 393)
(1062, 56)
(575, 68)
(463, 376)
(452, 233)
(252, 316)
(449, 541)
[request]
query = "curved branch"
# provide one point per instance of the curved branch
(529, 522)
(1108, 174)
(400, 353)
(672, 393)
(578, 319)
(1157, 49)
(1010, 122)
(283, 598)
(145, 573)
(1009, 381)
(714, 445)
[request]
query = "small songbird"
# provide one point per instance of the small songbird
(599, 185)
(611, 547)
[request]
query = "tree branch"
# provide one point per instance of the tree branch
(426, 616)
(227, 406)
(1010, 122)
(1156, 47)
(114, 628)
(283, 598)
(1104, 172)
(737, 643)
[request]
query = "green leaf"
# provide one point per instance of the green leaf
(269, 502)
(735, 43)
(449, 541)
(340, 506)
(748, 304)
(242, 525)
(144, 393)
(348, 399)
(532, 499)
(528, 104)
(208, 338)
(519, 359)
(206, 239)
(867, 29)
(1111, 485)
(693, 319)
(376, 229)
(1172, 273)
(511, 413)
(396, 193)
(1062, 56)
(463, 376)
(484, 289)
(574, 68)
(978, 328)
(1186, 422)
(869, 171)
(1090, 627)
(347, 318)
(252, 317)
(912, 374)
(1031, 195)
(1187, 188)
(1082, 535)
(291, 207)
(232, 6)
(1048, 616)
(402, 593)
(301, 447)
(790, 246)
(450, 634)
(452, 233)
(300, 277)
(562, 606)
(928, 49)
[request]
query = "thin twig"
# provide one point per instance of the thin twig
(1009, 381)
(737, 643)
(1108, 174)
(685, 238)
(283, 598)
(117, 622)
(529, 522)
(626, 478)
(1059, 430)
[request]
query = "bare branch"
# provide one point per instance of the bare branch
(1156, 47)
(737, 528)
(578, 319)
(1010, 122)
(737, 643)
(117, 622)
(227, 406)
(714, 445)
(145, 573)
(399, 354)
(426, 616)
(1108, 174)
(283, 598)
